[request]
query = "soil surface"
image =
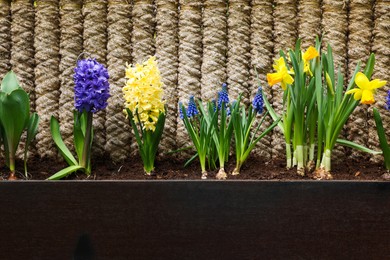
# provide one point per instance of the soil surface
(173, 169)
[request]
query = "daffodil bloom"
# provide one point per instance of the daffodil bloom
(281, 75)
(366, 88)
(308, 55)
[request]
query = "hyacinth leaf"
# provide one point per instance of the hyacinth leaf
(65, 172)
(135, 129)
(79, 129)
(32, 130)
(55, 132)
(14, 116)
(158, 131)
(10, 83)
(382, 138)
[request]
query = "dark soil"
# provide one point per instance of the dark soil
(173, 169)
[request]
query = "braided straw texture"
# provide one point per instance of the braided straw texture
(143, 30)
(71, 45)
(261, 59)
(190, 58)
(22, 50)
(285, 34)
(309, 21)
(335, 28)
(359, 38)
(118, 53)
(47, 36)
(239, 49)
(143, 40)
(95, 45)
(214, 48)
(381, 48)
(5, 38)
(167, 44)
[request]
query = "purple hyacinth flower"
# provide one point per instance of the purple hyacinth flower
(192, 110)
(388, 100)
(223, 96)
(91, 89)
(181, 114)
(258, 101)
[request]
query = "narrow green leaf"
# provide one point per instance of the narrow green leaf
(65, 172)
(357, 147)
(55, 133)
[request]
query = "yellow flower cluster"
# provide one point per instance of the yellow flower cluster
(143, 92)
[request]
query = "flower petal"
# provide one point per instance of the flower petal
(376, 83)
(362, 81)
(310, 53)
(288, 79)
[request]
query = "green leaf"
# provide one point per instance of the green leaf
(14, 117)
(10, 83)
(370, 66)
(32, 130)
(382, 138)
(357, 147)
(65, 172)
(79, 128)
(55, 133)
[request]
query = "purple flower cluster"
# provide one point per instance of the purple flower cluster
(192, 110)
(181, 114)
(388, 100)
(91, 86)
(258, 101)
(223, 96)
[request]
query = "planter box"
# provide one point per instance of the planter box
(194, 220)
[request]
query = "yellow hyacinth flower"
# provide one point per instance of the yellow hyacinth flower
(308, 55)
(281, 75)
(143, 92)
(366, 88)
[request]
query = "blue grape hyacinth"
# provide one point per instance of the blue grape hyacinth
(387, 106)
(258, 102)
(91, 86)
(192, 110)
(181, 114)
(223, 96)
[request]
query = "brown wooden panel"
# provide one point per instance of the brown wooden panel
(195, 220)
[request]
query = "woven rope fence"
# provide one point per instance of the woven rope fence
(199, 45)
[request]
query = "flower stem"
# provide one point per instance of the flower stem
(326, 160)
(300, 160)
(87, 143)
(288, 156)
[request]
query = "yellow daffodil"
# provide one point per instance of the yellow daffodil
(143, 92)
(281, 75)
(308, 55)
(366, 88)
